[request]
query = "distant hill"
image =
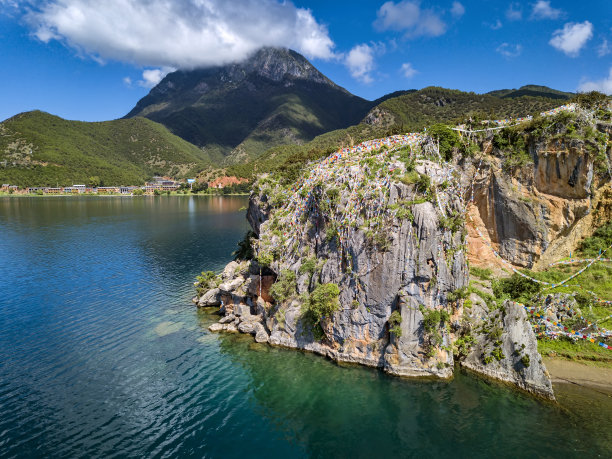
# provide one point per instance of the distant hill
(239, 111)
(37, 148)
(532, 90)
(414, 110)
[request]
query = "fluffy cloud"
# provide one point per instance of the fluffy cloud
(178, 33)
(604, 85)
(151, 77)
(408, 70)
(408, 16)
(509, 51)
(514, 12)
(457, 10)
(360, 62)
(572, 37)
(543, 10)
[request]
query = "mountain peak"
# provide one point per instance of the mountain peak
(278, 64)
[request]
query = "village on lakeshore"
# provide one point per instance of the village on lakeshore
(156, 186)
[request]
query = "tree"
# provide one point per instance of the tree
(448, 139)
(94, 181)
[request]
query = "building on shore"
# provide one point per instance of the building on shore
(107, 189)
(128, 189)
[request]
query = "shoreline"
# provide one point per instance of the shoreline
(564, 371)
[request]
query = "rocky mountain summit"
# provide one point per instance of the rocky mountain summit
(274, 97)
(365, 259)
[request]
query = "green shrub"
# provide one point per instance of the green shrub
(264, 258)
(308, 266)
(284, 287)
(245, 247)
(410, 177)
(526, 361)
(498, 354)
(449, 139)
(459, 294)
(463, 345)
(423, 183)
(395, 322)
(516, 287)
(331, 232)
(482, 273)
(322, 302)
(434, 318)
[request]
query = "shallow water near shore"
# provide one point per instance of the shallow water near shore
(102, 353)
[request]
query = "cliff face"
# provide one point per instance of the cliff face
(538, 212)
(409, 265)
(364, 260)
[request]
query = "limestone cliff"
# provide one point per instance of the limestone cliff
(365, 259)
(537, 207)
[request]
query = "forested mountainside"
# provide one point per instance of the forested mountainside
(39, 149)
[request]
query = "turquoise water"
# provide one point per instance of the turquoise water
(103, 354)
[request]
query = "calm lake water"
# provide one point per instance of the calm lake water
(102, 353)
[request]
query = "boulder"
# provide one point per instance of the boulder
(227, 319)
(217, 327)
(210, 298)
(229, 270)
(246, 327)
(229, 286)
(261, 336)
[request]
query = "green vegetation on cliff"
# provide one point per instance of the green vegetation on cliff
(37, 148)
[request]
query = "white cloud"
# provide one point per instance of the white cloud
(572, 37)
(408, 16)
(408, 70)
(457, 10)
(508, 50)
(496, 25)
(127, 81)
(604, 85)
(151, 77)
(604, 48)
(514, 12)
(179, 33)
(360, 62)
(543, 10)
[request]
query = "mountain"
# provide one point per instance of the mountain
(532, 90)
(240, 110)
(37, 148)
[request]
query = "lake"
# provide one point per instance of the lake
(102, 353)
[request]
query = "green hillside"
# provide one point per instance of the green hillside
(532, 90)
(37, 148)
(409, 111)
(431, 105)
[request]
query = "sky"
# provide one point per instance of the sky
(92, 60)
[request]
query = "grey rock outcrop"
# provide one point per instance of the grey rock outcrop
(506, 349)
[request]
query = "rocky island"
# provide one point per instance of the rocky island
(367, 258)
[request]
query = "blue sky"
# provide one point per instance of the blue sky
(93, 60)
